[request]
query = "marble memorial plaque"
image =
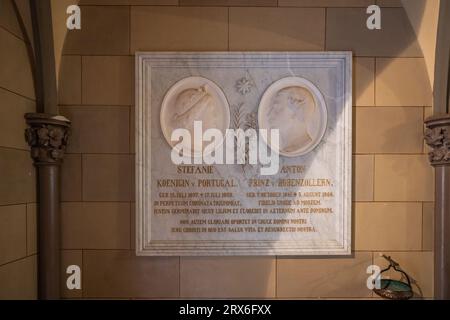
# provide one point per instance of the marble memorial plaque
(242, 205)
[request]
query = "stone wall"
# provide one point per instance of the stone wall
(393, 183)
(18, 260)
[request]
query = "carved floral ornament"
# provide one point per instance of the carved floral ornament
(47, 137)
(244, 85)
(437, 137)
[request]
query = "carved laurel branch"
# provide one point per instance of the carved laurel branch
(48, 142)
(243, 121)
(438, 138)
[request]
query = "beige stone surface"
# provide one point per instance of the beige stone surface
(400, 223)
(69, 258)
(71, 177)
(130, 2)
(325, 3)
(233, 277)
(424, 18)
(150, 2)
(132, 225)
(89, 225)
(277, 29)
(102, 129)
(346, 30)
(406, 179)
(132, 129)
(108, 177)
(69, 85)
(390, 3)
(108, 80)
(12, 122)
(23, 7)
(428, 226)
(18, 177)
(363, 81)
(230, 3)
(384, 130)
(104, 31)
(402, 82)
(16, 68)
(363, 177)
(179, 28)
(343, 277)
(427, 112)
(120, 274)
(403, 178)
(8, 18)
(32, 225)
(17, 183)
(19, 279)
(13, 233)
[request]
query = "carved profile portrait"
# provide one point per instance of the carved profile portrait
(292, 108)
(194, 99)
(296, 108)
(195, 104)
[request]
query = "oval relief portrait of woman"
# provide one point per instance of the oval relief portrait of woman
(296, 108)
(194, 99)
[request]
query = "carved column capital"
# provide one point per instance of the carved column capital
(437, 136)
(47, 136)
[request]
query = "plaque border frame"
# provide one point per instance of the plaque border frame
(143, 65)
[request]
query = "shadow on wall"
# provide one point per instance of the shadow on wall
(116, 272)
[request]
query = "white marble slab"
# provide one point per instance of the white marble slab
(307, 225)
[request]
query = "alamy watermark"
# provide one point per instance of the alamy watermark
(374, 20)
(73, 21)
(236, 146)
(374, 280)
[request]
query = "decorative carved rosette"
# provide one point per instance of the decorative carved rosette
(47, 136)
(437, 136)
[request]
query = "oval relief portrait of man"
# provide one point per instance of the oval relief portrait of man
(194, 99)
(296, 108)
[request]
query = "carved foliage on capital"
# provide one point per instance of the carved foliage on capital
(48, 141)
(437, 136)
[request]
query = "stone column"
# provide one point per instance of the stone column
(437, 136)
(47, 136)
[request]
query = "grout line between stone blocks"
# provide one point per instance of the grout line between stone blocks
(375, 81)
(82, 178)
(129, 30)
(82, 274)
(179, 276)
(276, 277)
(373, 180)
(421, 229)
(26, 228)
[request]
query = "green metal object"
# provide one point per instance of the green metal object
(394, 289)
